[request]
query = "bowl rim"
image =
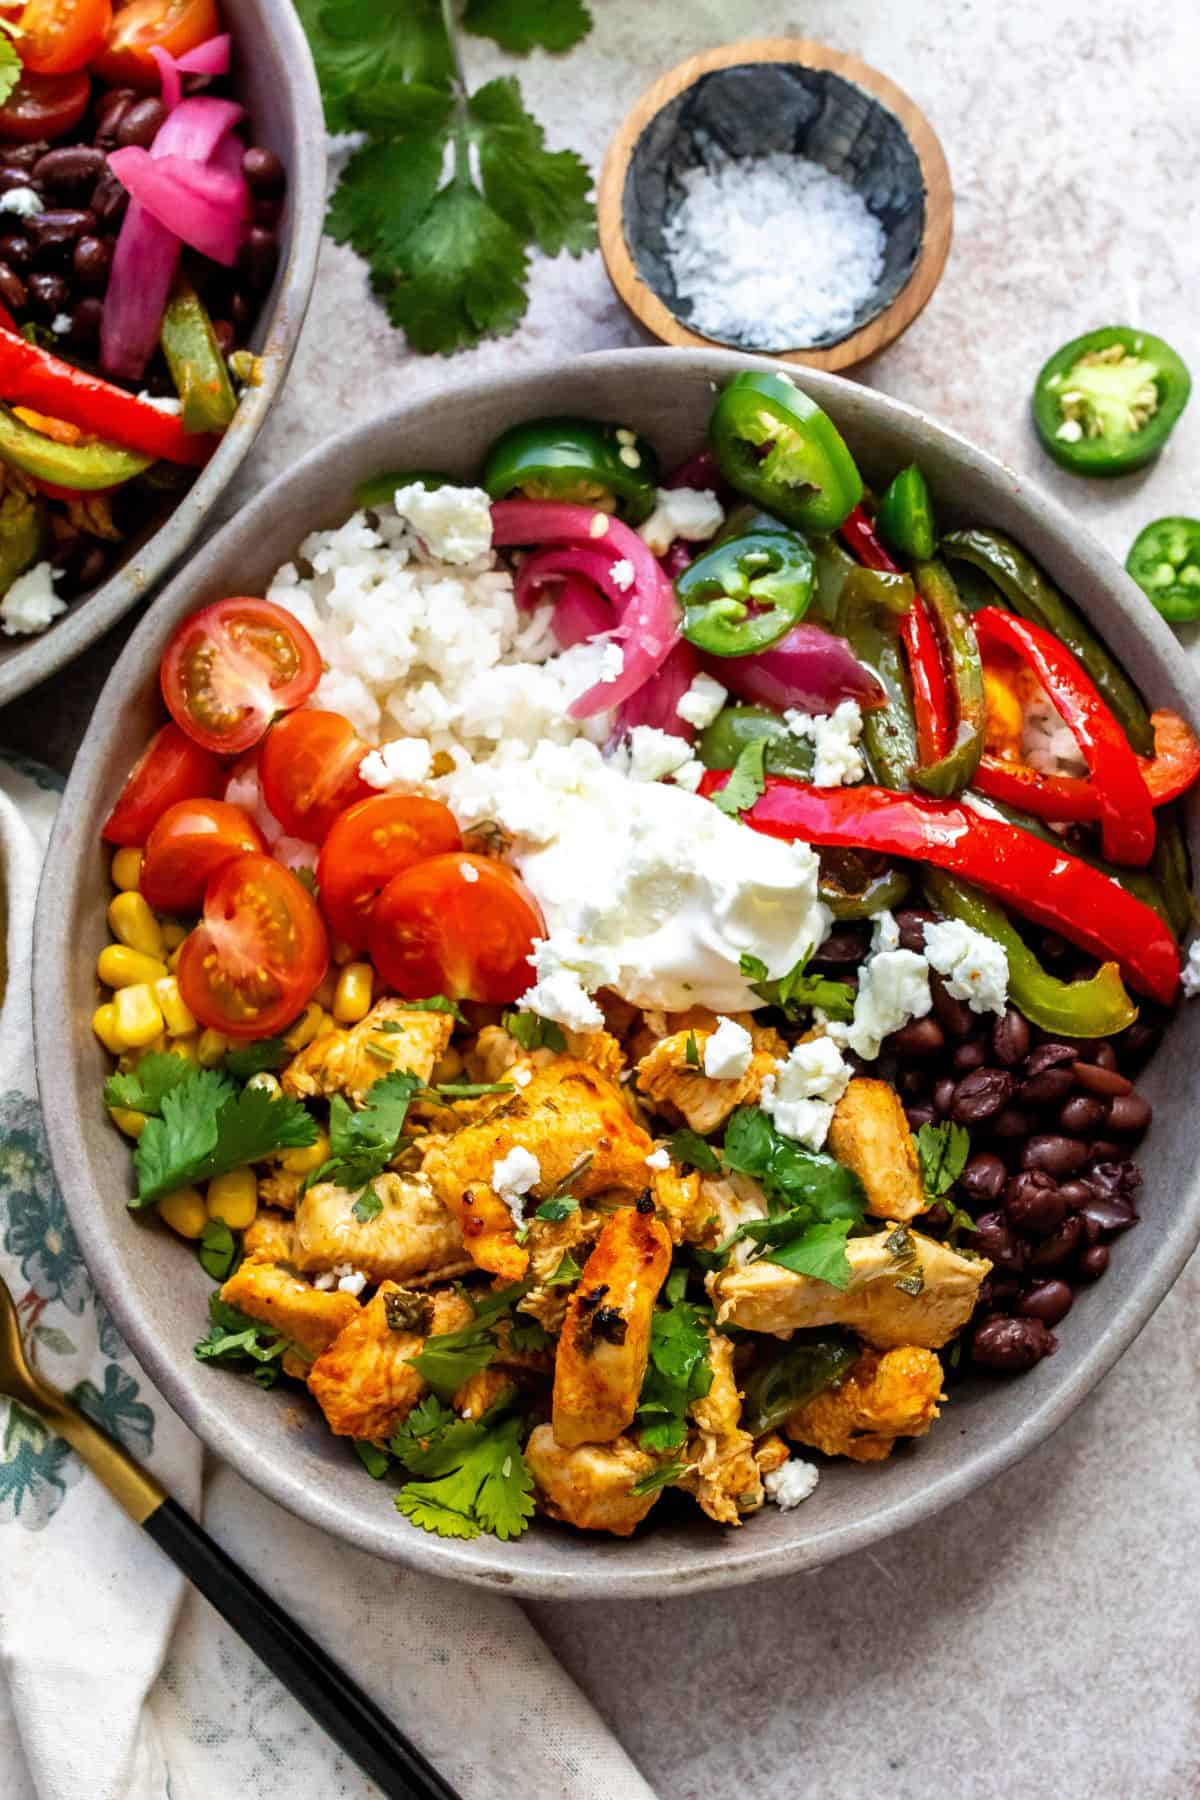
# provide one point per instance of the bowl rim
(887, 324)
(87, 619)
(728, 1559)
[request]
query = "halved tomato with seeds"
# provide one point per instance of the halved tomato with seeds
(188, 844)
(308, 766)
(172, 767)
(232, 667)
(368, 846)
(458, 925)
(259, 953)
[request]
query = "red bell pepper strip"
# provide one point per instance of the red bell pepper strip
(931, 700)
(1072, 799)
(1124, 809)
(32, 377)
(1038, 880)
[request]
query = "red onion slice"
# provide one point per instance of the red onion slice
(809, 669)
(203, 205)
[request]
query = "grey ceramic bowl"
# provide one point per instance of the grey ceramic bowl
(273, 77)
(157, 1290)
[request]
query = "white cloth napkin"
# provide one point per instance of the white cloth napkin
(117, 1682)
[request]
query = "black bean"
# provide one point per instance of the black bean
(263, 170)
(11, 176)
(1099, 1053)
(55, 232)
(1049, 1085)
(266, 213)
(48, 294)
(257, 258)
(1061, 1244)
(89, 566)
(1055, 949)
(23, 156)
(1011, 1346)
(845, 947)
(69, 172)
(918, 1116)
(109, 200)
(86, 315)
(983, 1177)
(91, 261)
(1034, 1204)
(1113, 1177)
(936, 1217)
(1129, 1115)
(1093, 1263)
(1056, 1154)
(1106, 1217)
(920, 1037)
(954, 1016)
(943, 1095)
(1047, 1301)
(1082, 1113)
(911, 921)
(997, 1293)
(139, 124)
(16, 251)
(993, 1238)
(1048, 1056)
(980, 1095)
(1096, 1080)
(1013, 1122)
(1136, 1043)
(111, 108)
(1010, 1038)
(912, 1083)
(12, 288)
(1076, 1193)
(968, 1057)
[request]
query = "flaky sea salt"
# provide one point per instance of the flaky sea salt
(773, 252)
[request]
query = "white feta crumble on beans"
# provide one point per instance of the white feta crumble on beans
(973, 966)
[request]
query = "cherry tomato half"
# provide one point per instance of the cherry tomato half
(59, 36)
(308, 766)
(459, 925)
(232, 666)
(170, 768)
(259, 954)
(173, 25)
(187, 846)
(44, 106)
(368, 845)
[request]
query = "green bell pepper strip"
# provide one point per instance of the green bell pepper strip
(1107, 402)
(195, 361)
(381, 490)
(879, 890)
(776, 446)
(1096, 1008)
(963, 670)
(721, 743)
(20, 535)
(1029, 593)
(868, 618)
(83, 467)
(1164, 560)
(579, 460)
(777, 1388)
(843, 585)
(771, 571)
(905, 516)
(1171, 871)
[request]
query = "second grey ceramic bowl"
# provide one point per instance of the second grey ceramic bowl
(157, 1290)
(274, 79)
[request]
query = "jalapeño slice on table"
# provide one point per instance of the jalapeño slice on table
(1107, 402)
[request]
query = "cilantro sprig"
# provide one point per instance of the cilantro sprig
(678, 1370)
(363, 1143)
(815, 1201)
(533, 1032)
(205, 1127)
(797, 990)
(942, 1151)
(747, 780)
(474, 1479)
(235, 1338)
(449, 1358)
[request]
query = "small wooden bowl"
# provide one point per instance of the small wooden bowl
(779, 94)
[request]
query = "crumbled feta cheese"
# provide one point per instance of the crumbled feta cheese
(893, 987)
(24, 201)
(834, 736)
(612, 661)
(804, 1089)
(31, 602)
(885, 933)
(655, 754)
(513, 1176)
(658, 1159)
(622, 574)
(702, 702)
(1190, 974)
(453, 523)
(402, 763)
(60, 324)
(469, 872)
(344, 1277)
(791, 1484)
(559, 993)
(521, 1077)
(353, 1283)
(170, 404)
(728, 1051)
(689, 775)
(973, 966)
(694, 514)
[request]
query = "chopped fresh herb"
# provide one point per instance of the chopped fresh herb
(217, 1249)
(657, 1478)
(691, 1051)
(797, 990)
(675, 1286)
(942, 1151)
(368, 1206)
(557, 1209)
(265, 1057)
(375, 1461)
(527, 1335)
(363, 1143)
(752, 967)
(471, 1090)
(205, 1128)
(475, 1478)
(902, 1249)
(687, 1146)
(789, 1174)
(747, 779)
(233, 1337)
(379, 1053)
(408, 1310)
(142, 1089)
(533, 1032)
(566, 1274)
(449, 1358)
(429, 1416)
(434, 1003)
(677, 1372)
(819, 1251)
(521, 25)
(10, 65)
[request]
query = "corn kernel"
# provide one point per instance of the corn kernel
(267, 1082)
(210, 1048)
(126, 1120)
(352, 999)
(157, 1046)
(104, 1024)
(134, 924)
(303, 1162)
(139, 1021)
(307, 1027)
(126, 869)
(173, 960)
(186, 1046)
(324, 994)
(184, 1211)
(178, 1019)
(233, 1198)
(173, 933)
(118, 966)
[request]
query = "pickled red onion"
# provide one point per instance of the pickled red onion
(202, 204)
(809, 669)
(657, 702)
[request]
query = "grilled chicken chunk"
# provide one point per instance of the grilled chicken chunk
(569, 1118)
(722, 1471)
(310, 1319)
(605, 1337)
(870, 1134)
(680, 1089)
(270, 1236)
(413, 1235)
(885, 1396)
(349, 1061)
(364, 1382)
(496, 1053)
(589, 1486)
(765, 1297)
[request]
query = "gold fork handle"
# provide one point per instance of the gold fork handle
(134, 1487)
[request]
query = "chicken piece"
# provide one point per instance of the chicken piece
(497, 1053)
(680, 1089)
(722, 1472)
(279, 1187)
(678, 1197)
(364, 1382)
(571, 1119)
(606, 1334)
(310, 1320)
(350, 1061)
(588, 1487)
(548, 1242)
(412, 1235)
(270, 1236)
(885, 1396)
(656, 1025)
(481, 1391)
(765, 1297)
(770, 1453)
(731, 1200)
(870, 1134)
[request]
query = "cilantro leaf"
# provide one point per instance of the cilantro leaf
(375, 1461)
(747, 779)
(557, 1209)
(942, 1151)
(477, 1480)
(434, 1003)
(388, 185)
(363, 1143)
(687, 1146)
(790, 1174)
(691, 1051)
(463, 275)
(796, 989)
(567, 1272)
(205, 1129)
(142, 1089)
(264, 1057)
(217, 1249)
(10, 67)
(359, 48)
(678, 1371)
(819, 1251)
(543, 194)
(368, 1206)
(234, 1337)
(533, 1032)
(522, 25)
(657, 1478)
(427, 1418)
(449, 1358)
